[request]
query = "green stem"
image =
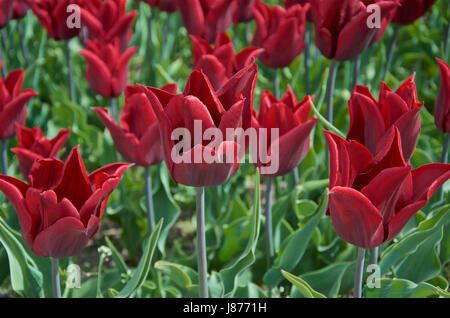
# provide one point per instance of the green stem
(356, 71)
(330, 90)
(201, 243)
(268, 223)
(150, 45)
(99, 276)
(23, 44)
(359, 273)
(374, 255)
(444, 159)
(276, 83)
(55, 278)
(70, 68)
(391, 50)
(4, 151)
(307, 58)
(149, 200)
(4, 68)
(113, 108)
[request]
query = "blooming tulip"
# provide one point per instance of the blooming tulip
(384, 22)
(138, 140)
(280, 33)
(108, 20)
(220, 63)
(371, 119)
(200, 103)
(60, 210)
(442, 108)
(341, 27)
(291, 118)
(53, 15)
(206, 18)
(163, 5)
(373, 197)
(13, 103)
(242, 11)
(33, 145)
(410, 11)
(107, 67)
(20, 9)
(291, 3)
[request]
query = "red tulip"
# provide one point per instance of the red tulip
(442, 108)
(53, 16)
(199, 103)
(107, 20)
(291, 3)
(384, 22)
(13, 103)
(60, 210)
(410, 11)
(138, 140)
(220, 63)
(20, 9)
(206, 18)
(107, 67)
(243, 11)
(33, 145)
(280, 33)
(371, 119)
(372, 198)
(6, 11)
(291, 118)
(341, 27)
(163, 5)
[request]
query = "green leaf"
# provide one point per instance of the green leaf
(183, 276)
(402, 288)
(302, 286)
(120, 263)
(231, 273)
(291, 255)
(26, 279)
(321, 279)
(144, 266)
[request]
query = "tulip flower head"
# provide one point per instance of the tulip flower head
(6, 12)
(410, 11)
(20, 9)
(442, 107)
(291, 118)
(243, 11)
(61, 208)
(33, 145)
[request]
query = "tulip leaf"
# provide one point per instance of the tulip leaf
(120, 263)
(302, 286)
(26, 279)
(144, 266)
(183, 276)
(293, 251)
(231, 273)
(402, 288)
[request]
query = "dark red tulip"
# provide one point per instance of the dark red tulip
(33, 145)
(199, 103)
(371, 119)
(291, 3)
(442, 107)
(243, 11)
(60, 210)
(384, 22)
(291, 118)
(411, 10)
(20, 9)
(107, 67)
(106, 20)
(220, 63)
(206, 18)
(341, 28)
(53, 16)
(372, 198)
(13, 103)
(163, 5)
(280, 32)
(137, 139)
(6, 12)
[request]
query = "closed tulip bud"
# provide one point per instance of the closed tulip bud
(33, 145)
(442, 107)
(206, 18)
(13, 103)
(243, 11)
(410, 11)
(220, 63)
(291, 118)
(280, 33)
(107, 67)
(291, 3)
(61, 208)
(107, 20)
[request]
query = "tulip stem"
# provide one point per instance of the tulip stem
(166, 30)
(307, 58)
(391, 49)
(201, 243)
(149, 201)
(268, 223)
(330, 90)
(295, 176)
(55, 278)
(71, 80)
(359, 272)
(444, 159)
(356, 71)
(113, 108)
(248, 34)
(446, 40)
(276, 83)
(23, 44)
(2, 59)
(150, 45)
(374, 255)
(4, 150)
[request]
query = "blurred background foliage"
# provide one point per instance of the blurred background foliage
(316, 261)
